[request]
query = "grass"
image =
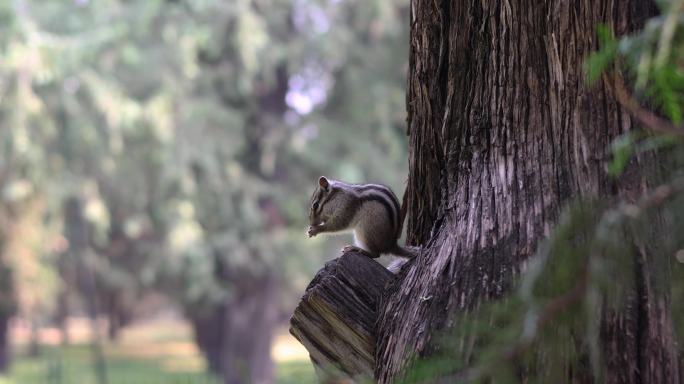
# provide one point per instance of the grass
(73, 364)
(151, 354)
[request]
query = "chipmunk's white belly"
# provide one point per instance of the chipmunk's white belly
(359, 241)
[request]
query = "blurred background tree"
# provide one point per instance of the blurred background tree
(170, 147)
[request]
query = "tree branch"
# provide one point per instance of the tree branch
(336, 318)
(647, 118)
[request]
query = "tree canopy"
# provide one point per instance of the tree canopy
(191, 133)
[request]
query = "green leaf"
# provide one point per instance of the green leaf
(598, 62)
(622, 149)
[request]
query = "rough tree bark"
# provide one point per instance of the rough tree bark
(503, 132)
(336, 318)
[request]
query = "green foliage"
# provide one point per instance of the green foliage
(652, 58)
(192, 133)
(622, 149)
(600, 61)
(634, 143)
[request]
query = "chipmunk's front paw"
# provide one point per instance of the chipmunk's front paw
(315, 230)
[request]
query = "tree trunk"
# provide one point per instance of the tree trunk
(503, 132)
(34, 349)
(76, 231)
(208, 331)
(248, 332)
(4, 343)
(119, 311)
(336, 318)
(63, 305)
(114, 326)
(8, 303)
(236, 336)
(245, 323)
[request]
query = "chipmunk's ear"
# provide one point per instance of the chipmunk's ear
(323, 183)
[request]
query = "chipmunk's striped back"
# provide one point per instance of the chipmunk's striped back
(385, 196)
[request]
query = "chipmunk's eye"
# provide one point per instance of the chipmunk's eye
(315, 205)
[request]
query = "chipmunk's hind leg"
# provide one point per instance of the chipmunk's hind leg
(354, 248)
(360, 247)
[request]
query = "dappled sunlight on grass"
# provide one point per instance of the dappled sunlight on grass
(165, 342)
(145, 350)
(192, 364)
(292, 360)
(287, 348)
(74, 364)
(159, 351)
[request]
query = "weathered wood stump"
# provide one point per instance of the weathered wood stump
(336, 317)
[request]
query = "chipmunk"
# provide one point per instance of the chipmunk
(371, 210)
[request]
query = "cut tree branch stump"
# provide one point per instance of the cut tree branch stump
(336, 317)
